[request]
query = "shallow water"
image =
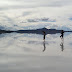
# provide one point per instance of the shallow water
(30, 53)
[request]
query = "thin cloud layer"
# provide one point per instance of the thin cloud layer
(20, 14)
(8, 4)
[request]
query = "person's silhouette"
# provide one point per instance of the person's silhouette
(62, 34)
(44, 35)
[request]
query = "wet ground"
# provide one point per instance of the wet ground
(30, 53)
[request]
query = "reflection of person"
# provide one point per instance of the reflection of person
(62, 34)
(44, 35)
(44, 46)
(62, 44)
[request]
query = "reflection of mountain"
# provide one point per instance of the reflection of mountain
(36, 31)
(4, 31)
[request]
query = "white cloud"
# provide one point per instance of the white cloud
(13, 12)
(33, 3)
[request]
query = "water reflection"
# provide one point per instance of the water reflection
(44, 46)
(8, 43)
(62, 44)
(62, 40)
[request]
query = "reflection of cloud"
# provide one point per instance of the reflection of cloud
(26, 49)
(34, 42)
(38, 42)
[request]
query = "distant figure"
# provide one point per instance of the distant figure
(44, 46)
(44, 35)
(62, 34)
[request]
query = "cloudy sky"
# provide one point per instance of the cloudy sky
(28, 14)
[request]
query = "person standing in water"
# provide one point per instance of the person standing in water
(44, 35)
(62, 34)
(62, 46)
(44, 40)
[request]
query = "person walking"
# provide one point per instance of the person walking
(44, 35)
(62, 34)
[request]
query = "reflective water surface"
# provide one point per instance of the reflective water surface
(30, 53)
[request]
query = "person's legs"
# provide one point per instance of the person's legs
(44, 37)
(61, 36)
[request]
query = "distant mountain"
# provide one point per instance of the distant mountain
(35, 31)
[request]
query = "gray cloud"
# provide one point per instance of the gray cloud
(41, 20)
(46, 2)
(15, 7)
(10, 23)
(16, 4)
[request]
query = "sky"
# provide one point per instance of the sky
(31, 14)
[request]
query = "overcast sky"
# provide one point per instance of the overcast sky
(35, 3)
(15, 12)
